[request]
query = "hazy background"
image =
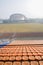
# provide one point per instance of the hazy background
(30, 8)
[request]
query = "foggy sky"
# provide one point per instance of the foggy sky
(30, 8)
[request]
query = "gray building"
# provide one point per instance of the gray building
(14, 17)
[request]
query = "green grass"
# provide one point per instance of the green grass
(23, 27)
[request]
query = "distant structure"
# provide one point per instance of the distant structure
(1, 21)
(16, 17)
(20, 18)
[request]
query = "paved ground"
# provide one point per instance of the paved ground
(21, 55)
(22, 52)
(18, 54)
(23, 42)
